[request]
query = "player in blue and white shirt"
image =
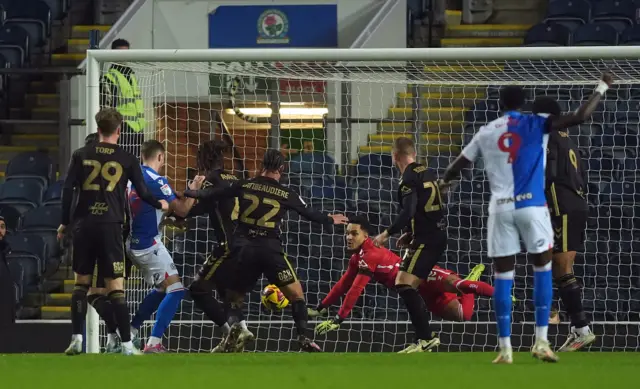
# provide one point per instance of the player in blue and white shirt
(514, 151)
(147, 251)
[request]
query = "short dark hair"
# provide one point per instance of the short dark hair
(362, 221)
(404, 146)
(108, 121)
(210, 155)
(150, 149)
(273, 160)
(91, 138)
(546, 104)
(120, 43)
(512, 97)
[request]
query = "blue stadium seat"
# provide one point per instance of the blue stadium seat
(32, 15)
(483, 112)
(621, 193)
(619, 14)
(569, 13)
(312, 163)
(11, 216)
(630, 36)
(42, 219)
(30, 164)
(22, 193)
(18, 277)
(53, 195)
(546, 34)
(29, 246)
(14, 45)
(595, 34)
(375, 165)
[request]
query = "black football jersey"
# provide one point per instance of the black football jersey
(565, 175)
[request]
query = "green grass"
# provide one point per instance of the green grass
(308, 371)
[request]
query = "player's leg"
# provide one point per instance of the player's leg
(503, 243)
(416, 266)
(569, 234)
(455, 284)
(534, 225)
(83, 261)
(97, 298)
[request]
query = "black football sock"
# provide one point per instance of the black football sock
(204, 300)
(79, 308)
(417, 311)
(300, 316)
(102, 305)
(571, 296)
(121, 313)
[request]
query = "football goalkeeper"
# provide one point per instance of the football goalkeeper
(445, 293)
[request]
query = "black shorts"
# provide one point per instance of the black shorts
(219, 267)
(569, 231)
(98, 279)
(254, 261)
(99, 245)
(420, 259)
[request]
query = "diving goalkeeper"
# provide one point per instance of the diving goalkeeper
(444, 292)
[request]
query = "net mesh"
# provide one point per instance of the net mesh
(336, 123)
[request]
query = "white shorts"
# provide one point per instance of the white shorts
(532, 224)
(155, 263)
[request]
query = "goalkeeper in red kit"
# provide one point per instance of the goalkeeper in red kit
(445, 293)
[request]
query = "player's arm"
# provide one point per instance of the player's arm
(212, 193)
(74, 169)
(584, 112)
(341, 287)
(296, 203)
(469, 154)
(135, 176)
(182, 206)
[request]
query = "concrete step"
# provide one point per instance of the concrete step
(8, 152)
(37, 140)
(36, 113)
(30, 128)
(481, 42)
(44, 87)
(43, 100)
(82, 31)
(466, 90)
(55, 313)
(428, 100)
(76, 45)
(440, 126)
(383, 139)
(67, 59)
(63, 273)
(438, 114)
(429, 149)
(57, 299)
(487, 30)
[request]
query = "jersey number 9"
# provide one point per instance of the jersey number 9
(110, 172)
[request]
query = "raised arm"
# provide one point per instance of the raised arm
(584, 112)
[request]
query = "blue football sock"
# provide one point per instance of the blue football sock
(148, 306)
(166, 311)
(542, 296)
(502, 306)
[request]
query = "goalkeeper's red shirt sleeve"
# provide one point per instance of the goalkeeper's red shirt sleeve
(353, 294)
(343, 284)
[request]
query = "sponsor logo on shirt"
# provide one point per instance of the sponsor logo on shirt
(520, 197)
(166, 189)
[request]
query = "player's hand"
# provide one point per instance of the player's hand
(61, 231)
(314, 312)
(165, 205)
(327, 326)
(444, 186)
(381, 239)
(404, 241)
(339, 219)
(608, 78)
(196, 183)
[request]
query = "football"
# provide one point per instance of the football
(273, 299)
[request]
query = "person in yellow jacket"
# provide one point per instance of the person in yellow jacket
(119, 89)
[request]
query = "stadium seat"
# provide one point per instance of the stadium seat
(619, 14)
(483, 112)
(595, 34)
(29, 246)
(621, 193)
(312, 163)
(14, 45)
(569, 13)
(11, 216)
(42, 219)
(630, 36)
(30, 164)
(546, 34)
(18, 277)
(53, 195)
(440, 163)
(375, 165)
(22, 193)
(33, 15)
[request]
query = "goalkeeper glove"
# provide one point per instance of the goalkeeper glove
(317, 311)
(329, 325)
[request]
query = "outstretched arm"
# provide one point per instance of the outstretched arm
(340, 288)
(212, 193)
(297, 204)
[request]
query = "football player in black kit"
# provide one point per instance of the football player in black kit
(422, 211)
(100, 173)
(566, 195)
(258, 250)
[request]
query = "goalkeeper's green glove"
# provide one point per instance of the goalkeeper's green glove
(329, 325)
(317, 311)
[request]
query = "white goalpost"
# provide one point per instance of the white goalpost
(336, 112)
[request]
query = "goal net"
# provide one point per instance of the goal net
(335, 116)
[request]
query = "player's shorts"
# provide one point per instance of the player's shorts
(254, 261)
(438, 304)
(532, 224)
(569, 231)
(420, 258)
(155, 263)
(99, 245)
(219, 267)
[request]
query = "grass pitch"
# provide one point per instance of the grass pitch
(307, 371)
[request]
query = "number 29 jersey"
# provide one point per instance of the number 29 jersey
(514, 151)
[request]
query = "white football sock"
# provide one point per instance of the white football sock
(112, 338)
(76, 338)
(243, 324)
(153, 341)
(583, 330)
(505, 343)
(127, 345)
(134, 331)
(225, 328)
(541, 333)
